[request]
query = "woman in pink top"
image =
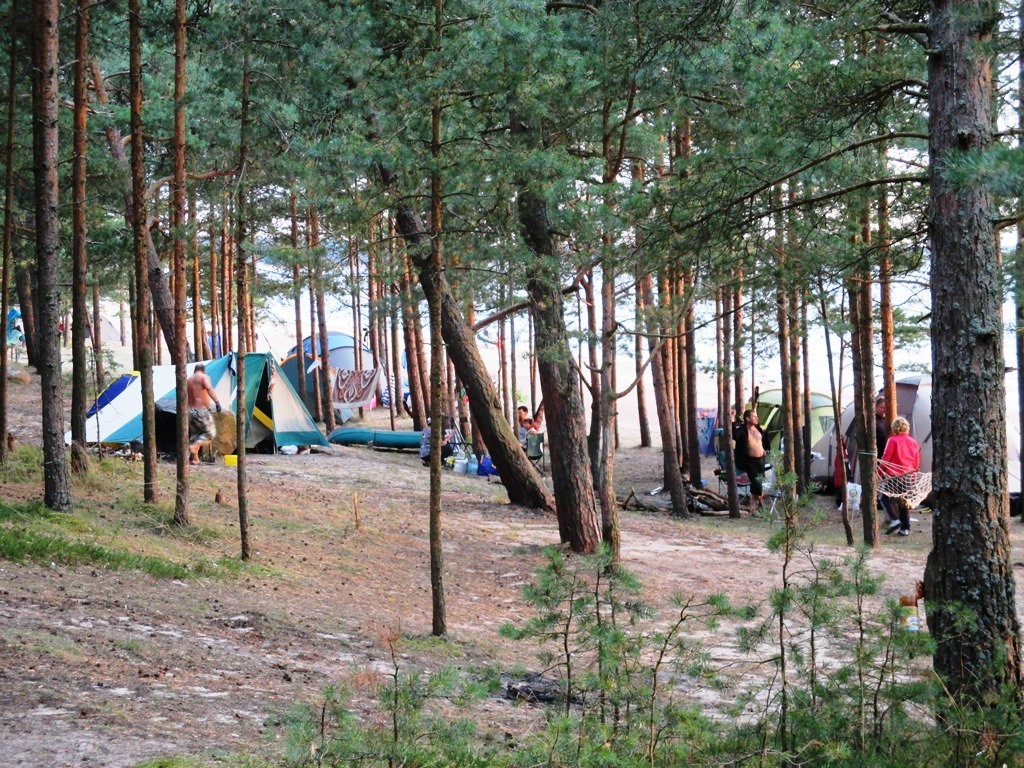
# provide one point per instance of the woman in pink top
(902, 455)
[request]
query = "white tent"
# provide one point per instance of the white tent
(914, 403)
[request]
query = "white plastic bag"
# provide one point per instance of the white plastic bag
(853, 494)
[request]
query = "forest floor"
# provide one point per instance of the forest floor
(113, 668)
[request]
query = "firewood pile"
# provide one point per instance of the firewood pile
(700, 501)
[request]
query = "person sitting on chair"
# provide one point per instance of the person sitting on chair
(522, 414)
(446, 448)
(902, 456)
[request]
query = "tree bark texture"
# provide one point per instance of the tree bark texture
(241, 276)
(724, 380)
(46, 103)
(690, 374)
(863, 452)
(437, 362)
(641, 390)
(23, 280)
(178, 248)
(300, 367)
(559, 381)
(135, 215)
(79, 257)
(5, 274)
(969, 577)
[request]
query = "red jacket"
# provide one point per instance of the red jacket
(902, 455)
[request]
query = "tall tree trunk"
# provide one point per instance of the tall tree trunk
(969, 577)
(867, 352)
(46, 103)
(217, 347)
(724, 381)
(23, 279)
(507, 403)
(1019, 271)
(594, 433)
(242, 288)
(805, 370)
(863, 454)
(202, 344)
(227, 280)
(314, 327)
(79, 254)
(8, 244)
(357, 313)
(179, 241)
(690, 340)
(666, 419)
(417, 398)
(885, 319)
(641, 390)
(326, 406)
(610, 531)
(834, 391)
(438, 617)
(566, 431)
(796, 398)
(97, 336)
(143, 337)
(397, 394)
(300, 356)
(739, 398)
(782, 332)
(373, 304)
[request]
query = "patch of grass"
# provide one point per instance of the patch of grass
(20, 545)
(32, 532)
(111, 474)
(59, 646)
(428, 644)
(131, 646)
(216, 759)
(24, 465)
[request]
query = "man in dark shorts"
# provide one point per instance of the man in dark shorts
(201, 427)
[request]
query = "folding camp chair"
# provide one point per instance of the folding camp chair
(458, 443)
(742, 479)
(535, 450)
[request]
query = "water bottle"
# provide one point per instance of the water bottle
(473, 465)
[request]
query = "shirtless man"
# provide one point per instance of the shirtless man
(201, 427)
(750, 454)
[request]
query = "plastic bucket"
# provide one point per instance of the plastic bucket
(460, 465)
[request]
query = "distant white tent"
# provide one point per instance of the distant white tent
(914, 403)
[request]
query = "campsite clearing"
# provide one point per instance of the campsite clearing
(110, 668)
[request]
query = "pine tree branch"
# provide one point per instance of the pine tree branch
(751, 194)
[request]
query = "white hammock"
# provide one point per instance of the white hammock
(911, 487)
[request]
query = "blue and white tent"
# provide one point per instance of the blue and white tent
(275, 410)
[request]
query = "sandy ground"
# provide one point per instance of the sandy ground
(102, 668)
